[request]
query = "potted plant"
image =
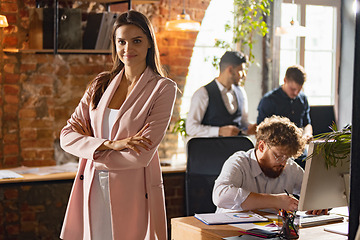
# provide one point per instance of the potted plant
(335, 145)
(249, 21)
(180, 127)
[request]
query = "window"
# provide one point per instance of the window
(318, 52)
(202, 72)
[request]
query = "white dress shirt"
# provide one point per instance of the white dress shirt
(198, 107)
(241, 175)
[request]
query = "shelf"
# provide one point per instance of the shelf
(63, 51)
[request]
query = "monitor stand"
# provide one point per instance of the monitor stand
(342, 228)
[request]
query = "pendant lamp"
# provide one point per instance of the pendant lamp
(3, 21)
(294, 29)
(182, 22)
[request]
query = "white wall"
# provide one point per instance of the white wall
(346, 64)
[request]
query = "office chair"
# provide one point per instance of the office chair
(205, 158)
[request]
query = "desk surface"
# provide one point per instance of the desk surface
(71, 175)
(190, 228)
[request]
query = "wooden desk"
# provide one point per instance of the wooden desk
(190, 228)
(30, 177)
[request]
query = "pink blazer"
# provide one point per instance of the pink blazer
(135, 180)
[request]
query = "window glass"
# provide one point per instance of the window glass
(318, 52)
(202, 72)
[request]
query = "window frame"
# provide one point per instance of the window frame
(302, 7)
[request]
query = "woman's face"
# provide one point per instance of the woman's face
(131, 45)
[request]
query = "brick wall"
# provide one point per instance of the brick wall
(38, 92)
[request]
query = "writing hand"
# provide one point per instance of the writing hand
(283, 201)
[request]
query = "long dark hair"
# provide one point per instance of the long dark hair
(152, 58)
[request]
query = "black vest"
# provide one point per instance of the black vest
(216, 113)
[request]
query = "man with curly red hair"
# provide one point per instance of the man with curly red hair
(260, 177)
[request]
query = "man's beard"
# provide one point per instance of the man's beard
(270, 171)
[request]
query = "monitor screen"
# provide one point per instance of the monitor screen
(322, 187)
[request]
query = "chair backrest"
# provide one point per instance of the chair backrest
(321, 118)
(205, 158)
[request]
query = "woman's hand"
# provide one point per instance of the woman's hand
(81, 127)
(131, 142)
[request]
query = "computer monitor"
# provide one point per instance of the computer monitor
(322, 187)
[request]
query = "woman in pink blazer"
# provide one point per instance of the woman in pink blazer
(115, 131)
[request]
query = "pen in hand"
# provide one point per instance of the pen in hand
(287, 192)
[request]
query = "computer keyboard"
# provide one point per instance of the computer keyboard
(319, 220)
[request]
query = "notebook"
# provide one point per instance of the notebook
(230, 217)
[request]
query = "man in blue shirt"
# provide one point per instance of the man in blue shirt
(289, 101)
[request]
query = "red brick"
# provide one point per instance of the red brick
(39, 143)
(35, 123)
(42, 79)
(9, 68)
(10, 41)
(12, 99)
(11, 89)
(28, 154)
(168, 41)
(9, 7)
(44, 58)
(29, 226)
(23, 14)
(186, 52)
(62, 70)
(11, 194)
(181, 62)
(10, 108)
(186, 43)
(24, 207)
(27, 113)
(86, 70)
(12, 78)
(11, 161)
(13, 229)
(46, 91)
(11, 217)
(11, 18)
(28, 133)
(45, 68)
(25, 67)
(28, 216)
(182, 71)
(45, 133)
(46, 154)
(11, 149)
(37, 163)
(10, 138)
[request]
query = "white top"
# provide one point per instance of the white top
(100, 216)
(241, 175)
(109, 121)
(199, 104)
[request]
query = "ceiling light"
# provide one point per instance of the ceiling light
(182, 22)
(3, 21)
(294, 29)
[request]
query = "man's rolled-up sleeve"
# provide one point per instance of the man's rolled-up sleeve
(228, 192)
